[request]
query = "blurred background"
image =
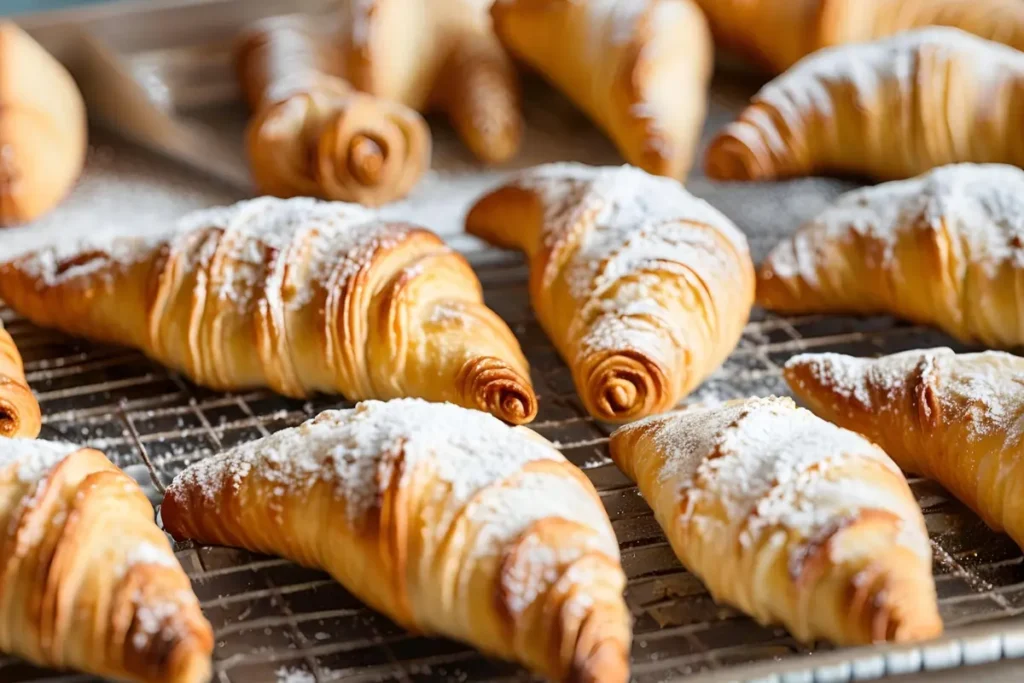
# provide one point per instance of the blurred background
(19, 6)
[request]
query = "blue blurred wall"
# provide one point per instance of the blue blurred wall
(19, 6)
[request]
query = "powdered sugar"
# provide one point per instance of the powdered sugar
(34, 458)
(151, 617)
(147, 553)
(354, 450)
(979, 208)
(772, 465)
(630, 229)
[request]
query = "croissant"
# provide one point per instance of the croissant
(788, 518)
(643, 288)
(297, 295)
(42, 128)
(437, 55)
(639, 68)
(312, 134)
(444, 519)
(19, 411)
(87, 579)
(958, 229)
(778, 33)
(890, 109)
(949, 417)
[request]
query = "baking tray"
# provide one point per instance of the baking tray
(275, 621)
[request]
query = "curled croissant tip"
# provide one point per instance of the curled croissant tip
(367, 156)
(512, 404)
(192, 664)
(729, 159)
(607, 663)
(493, 386)
(622, 388)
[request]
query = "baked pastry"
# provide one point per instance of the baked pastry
(778, 33)
(297, 295)
(87, 579)
(42, 128)
(882, 110)
(788, 518)
(312, 134)
(946, 416)
(437, 55)
(642, 287)
(444, 519)
(19, 410)
(639, 68)
(945, 249)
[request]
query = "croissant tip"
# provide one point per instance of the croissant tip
(621, 388)
(728, 160)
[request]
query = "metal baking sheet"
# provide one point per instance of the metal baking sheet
(275, 621)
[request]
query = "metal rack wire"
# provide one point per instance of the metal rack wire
(276, 621)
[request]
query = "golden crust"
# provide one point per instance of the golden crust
(42, 128)
(311, 133)
(75, 595)
(436, 534)
(19, 410)
(329, 300)
(641, 76)
(643, 288)
(855, 571)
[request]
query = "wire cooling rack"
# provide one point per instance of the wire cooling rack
(275, 621)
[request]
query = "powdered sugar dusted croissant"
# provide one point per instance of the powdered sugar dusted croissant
(87, 579)
(789, 518)
(639, 68)
(778, 33)
(19, 410)
(949, 417)
(444, 519)
(643, 288)
(946, 248)
(889, 109)
(311, 133)
(298, 295)
(437, 55)
(42, 128)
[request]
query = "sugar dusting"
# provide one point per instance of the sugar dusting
(34, 458)
(355, 451)
(773, 465)
(978, 207)
(641, 228)
(979, 390)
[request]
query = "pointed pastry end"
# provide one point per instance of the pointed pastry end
(494, 386)
(733, 155)
(191, 664)
(605, 662)
(19, 413)
(623, 386)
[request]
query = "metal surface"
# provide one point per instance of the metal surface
(275, 621)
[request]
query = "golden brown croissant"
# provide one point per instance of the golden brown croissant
(946, 249)
(778, 33)
(642, 287)
(42, 128)
(789, 518)
(949, 417)
(444, 519)
(19, 410)
(311, 133)
(437, 55)
(889, 109)
(87, 579)
(638, 68)
(297, 295)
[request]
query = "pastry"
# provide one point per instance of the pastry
(19, 411)
(444, 519)
(437, 55)
(788, 518)
(946, 249)
(642, 287)
(950, 417)
(311, 133)
(297, 295)
(778, 33)
(886, 110)
(87, 579)
(639, 68)
(42, 128)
